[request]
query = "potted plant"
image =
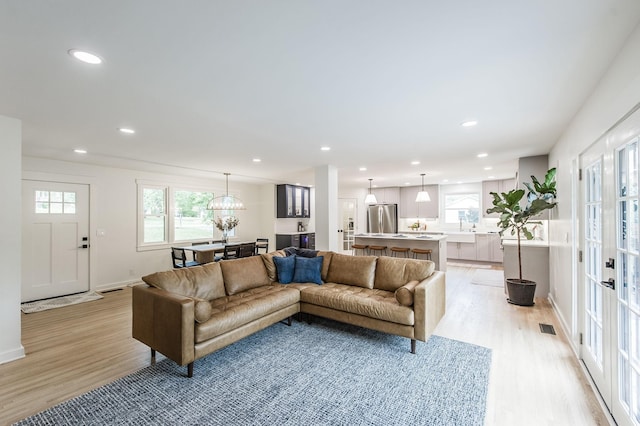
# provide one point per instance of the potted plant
(514, 217)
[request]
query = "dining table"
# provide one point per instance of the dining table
(207, 252)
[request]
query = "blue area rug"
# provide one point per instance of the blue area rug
(325, 373)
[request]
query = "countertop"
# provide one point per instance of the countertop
(525, 243)
(404, 236)
(295, 233)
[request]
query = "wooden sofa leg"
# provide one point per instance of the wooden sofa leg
(153, 356)
(190, 369)
(289, 321)
(413, 346)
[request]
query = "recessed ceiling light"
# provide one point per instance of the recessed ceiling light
(415, 163)
(256, 160)
(80, 151)
(488, 168)
(407, 183)
(126, 130)
(85, 57)
(325, 148)
(363, 169)
(483, 155)
(459, 182)
(298, 183)
(375, 186)
(445, 180)
(469, 123)
(491, 177)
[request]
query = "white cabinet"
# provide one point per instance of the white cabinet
(389, 195)
(409, 208)
(462, 251)
(488, 248)
(498, 186)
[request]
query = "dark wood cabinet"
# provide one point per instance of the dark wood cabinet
(293, 201)
(307, 240)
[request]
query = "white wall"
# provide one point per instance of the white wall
(615, 95)
(10, 235)
(115, 260)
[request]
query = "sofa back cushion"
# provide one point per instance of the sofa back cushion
(394, 272)
(352, 270)
(267, 258)
(202, 282)
(244, 274)
(325, 263)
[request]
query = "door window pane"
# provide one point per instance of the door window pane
(55, 202)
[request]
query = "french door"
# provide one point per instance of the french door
(610, 296)
(55, 239)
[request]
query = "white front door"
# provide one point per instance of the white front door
(610, 287)
(55, 239)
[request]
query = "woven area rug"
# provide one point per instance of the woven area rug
(325, 373)
(490, 277)
(59, 302)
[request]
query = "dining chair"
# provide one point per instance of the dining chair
(231, 251)
(179, 258)
(262, 243)
(247, 249)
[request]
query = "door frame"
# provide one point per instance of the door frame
(81, 180)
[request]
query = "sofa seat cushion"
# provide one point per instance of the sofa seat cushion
(231, 312)
(373, 303)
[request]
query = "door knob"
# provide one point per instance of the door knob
(611, 283)
(611, 263)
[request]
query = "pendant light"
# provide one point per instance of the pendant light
(370, 198)
(423, 196)
(226, 202)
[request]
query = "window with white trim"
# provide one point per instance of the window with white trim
(462, 207)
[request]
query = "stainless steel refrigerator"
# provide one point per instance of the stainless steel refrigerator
(382, 219)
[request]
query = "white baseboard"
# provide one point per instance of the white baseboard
(12, 355)
(565, 327)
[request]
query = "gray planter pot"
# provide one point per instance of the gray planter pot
(521, 292)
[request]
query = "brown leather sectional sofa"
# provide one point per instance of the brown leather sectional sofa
(188, 313)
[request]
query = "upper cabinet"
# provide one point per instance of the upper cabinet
(409, 208)
(389, 195)
(499, 186)
(293, 201)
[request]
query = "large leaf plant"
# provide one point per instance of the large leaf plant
(515, 218)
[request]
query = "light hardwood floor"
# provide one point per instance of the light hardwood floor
(535, 377)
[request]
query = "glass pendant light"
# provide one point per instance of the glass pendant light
(370, 198)
(423, 196)
(226, 202)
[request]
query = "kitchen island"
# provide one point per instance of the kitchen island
(436, 242)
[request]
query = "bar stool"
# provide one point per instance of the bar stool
(396, 251)
(418, 251)
(356, 247)
(381, 249)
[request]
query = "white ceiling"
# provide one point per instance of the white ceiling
(209, 85)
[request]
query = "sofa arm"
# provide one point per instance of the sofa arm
(164, 321)
(429, 304)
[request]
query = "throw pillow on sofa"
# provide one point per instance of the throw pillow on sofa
(285, 266)
(308, 269)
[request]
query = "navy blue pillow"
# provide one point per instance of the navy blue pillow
(308, 270)
(284, 268)
(306, 252)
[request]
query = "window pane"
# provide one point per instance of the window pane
(69, 208)
(42, 207)
(154, 229)
(55, 196)
(55, 207)
(463, 208)
(69, 197)
(153, 201)
(192, 220)
(42, 195)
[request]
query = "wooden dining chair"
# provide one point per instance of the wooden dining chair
(231, 251)
(179, 258)
(247, 249)
(262, 243)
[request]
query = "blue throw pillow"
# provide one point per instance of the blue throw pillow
(284, 268)
(308, 270)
